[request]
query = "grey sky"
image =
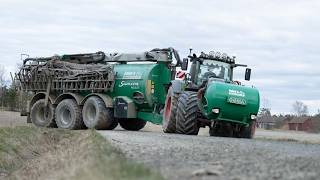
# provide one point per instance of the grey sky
(279, 40)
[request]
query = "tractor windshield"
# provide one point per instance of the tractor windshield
(214, 69)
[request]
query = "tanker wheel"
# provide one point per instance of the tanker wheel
(41, 115)
(170, 110)
(132, 124)
(186, 118)
(96, 115)
(68, 115)
(248, 131)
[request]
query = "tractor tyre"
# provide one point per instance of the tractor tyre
(41, 115)
(186, 118)
(248, 131)
(68, 115)
(222, 129)
(169, 113)
(132, 124)
(96, 115)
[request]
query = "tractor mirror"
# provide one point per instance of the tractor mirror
(248, 74)
(184, 65)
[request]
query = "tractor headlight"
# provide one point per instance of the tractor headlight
(216, 110)
(253, 117)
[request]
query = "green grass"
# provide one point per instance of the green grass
(64, 154)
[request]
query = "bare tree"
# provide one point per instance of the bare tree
(299, 108)
(2, 76)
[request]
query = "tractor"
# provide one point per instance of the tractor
(98, 90)
(209, 97)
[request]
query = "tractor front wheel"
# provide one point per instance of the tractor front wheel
(248, 131)
(186, 118)
(132, 124)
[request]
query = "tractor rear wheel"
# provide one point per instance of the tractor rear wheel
(96, 115)
(169, 113)
(68, 115)
(248, 131)
(132, 124)
(186, 118)
(41, 115)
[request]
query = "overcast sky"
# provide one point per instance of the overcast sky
(279, 40)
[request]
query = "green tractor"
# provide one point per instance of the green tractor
(209, 97)
(98, 90)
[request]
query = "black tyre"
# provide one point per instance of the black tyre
(96, 115)
(132, 124)
(186, 118)
(248, 131)
(41, 115)
(68, 115)
(222, 129)
(169, 113)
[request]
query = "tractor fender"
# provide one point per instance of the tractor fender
(177, 86)
(108, 101)
(77, 97)
(36, 97)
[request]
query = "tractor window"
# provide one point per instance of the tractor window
(214, 69)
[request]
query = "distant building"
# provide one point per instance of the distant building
(300, 124)
(266, 122)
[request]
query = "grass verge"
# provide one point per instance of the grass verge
(40, 153)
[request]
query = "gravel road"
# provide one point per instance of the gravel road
(202, 157)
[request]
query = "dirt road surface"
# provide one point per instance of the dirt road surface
(202, 157)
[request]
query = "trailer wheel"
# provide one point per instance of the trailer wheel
(96, 115)
(68, 115)
(132, 124)
(248, 131)
(187, 114)
(41, 115)
(169, 113)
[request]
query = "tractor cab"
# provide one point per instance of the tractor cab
(214, 66)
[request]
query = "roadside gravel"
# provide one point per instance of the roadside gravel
(201, 157)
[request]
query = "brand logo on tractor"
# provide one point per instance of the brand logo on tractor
(237, 93)
(131, 84)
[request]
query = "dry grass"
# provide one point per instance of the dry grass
(35, 153)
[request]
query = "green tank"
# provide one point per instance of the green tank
(235, 103)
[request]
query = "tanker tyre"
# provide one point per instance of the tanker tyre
(169, 113)
(96, 115)
(68, 115)
(132, 124)
(42, 116)
(186, 118)
(248, 131)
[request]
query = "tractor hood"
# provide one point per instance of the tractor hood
(230, 102)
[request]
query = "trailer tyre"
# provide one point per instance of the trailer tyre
(169, 113)
(186, 118)
(68, 115)
(42, 116)
(132, 124)
(97, 115)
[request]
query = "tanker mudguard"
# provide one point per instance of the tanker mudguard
(124, 107)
